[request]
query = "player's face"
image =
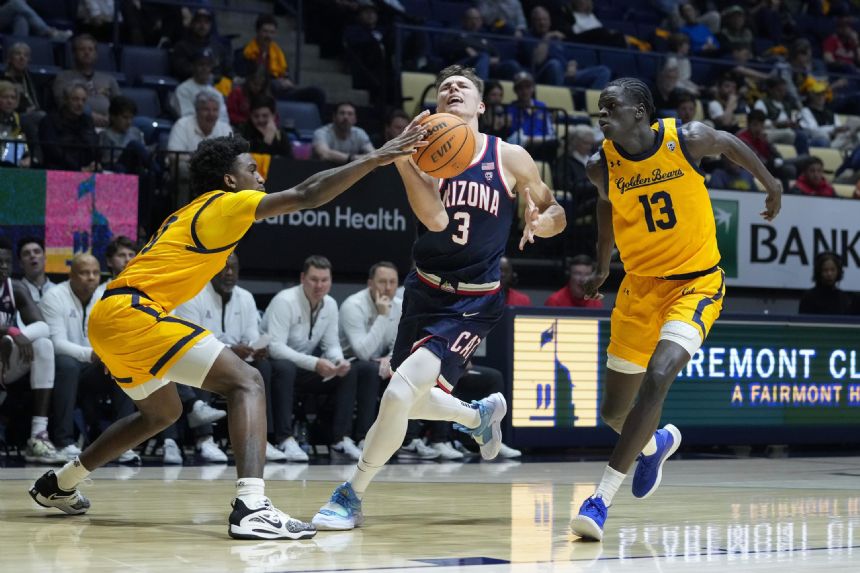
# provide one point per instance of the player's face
(5, 264)
(84, 277)
(119, 260)
(384, 282)
(459, 96)
(316, 284)
(617, 112)
(225, 281)
(33, 259)
(245, 175)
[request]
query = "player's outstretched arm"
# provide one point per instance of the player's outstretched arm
(322, 187)
(543, 216)
(596, 171)
(422, 190)
(702, 140)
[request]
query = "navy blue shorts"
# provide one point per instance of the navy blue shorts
(449, 325)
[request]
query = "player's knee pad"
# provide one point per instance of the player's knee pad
(623, 366)
(684, 334)
(43, 348)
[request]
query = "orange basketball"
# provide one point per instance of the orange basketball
(451, 146)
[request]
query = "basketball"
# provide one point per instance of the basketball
(451, 146)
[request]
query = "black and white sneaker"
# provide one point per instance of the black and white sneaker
(47, 493)
(266, 522)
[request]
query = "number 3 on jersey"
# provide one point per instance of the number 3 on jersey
(461, 237)
(666, 209)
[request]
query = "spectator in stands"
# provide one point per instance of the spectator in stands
(822, 126)
(306, 355)
(799, 68)
(570, 174)
(679, 52)
(826, 297)
(19, 19)
(229, 312)
(18, 72)
(587, 28)
(841, 50)
(100, 86)
(27, 350)
(503, 16)
(495, 119)
(775, 21)
(200, 81)
(118, 253)
(13, 142)
(755, 137)
(123, 148)
(513, 297)
(531, 122)
(96, 17)
(735, 32)
(781, 125)
(572, 294)
(811, 180)
(255, 86)
(267, 139)
(671, 9)
(369, 47)
(81, 377)
(148, 23)
(469, 49)
(199, 38)
(724, 109)
(729, 175)
(666, 89)
(702, 40)
(368, 327)
(266, 53)
(31, 257)
(67, 136)
(341, 141)
(685, 108)
(188, 131)
(395, 123)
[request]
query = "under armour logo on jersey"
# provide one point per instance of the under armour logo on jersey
(670, 146)
(613, 163)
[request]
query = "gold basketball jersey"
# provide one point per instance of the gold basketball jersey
(190, 247)
(661, 211)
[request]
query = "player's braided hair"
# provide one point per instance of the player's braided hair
(213, 159)
(640, 93)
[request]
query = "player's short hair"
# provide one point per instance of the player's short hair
(5, 244)
(26, 241)
(117, 243)
(317, 262)
(458, 70)
(381, 265)
(214, 159)
(638, 90)
(822, 258)
(580, 260)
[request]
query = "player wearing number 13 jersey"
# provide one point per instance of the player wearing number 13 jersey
(654, 206)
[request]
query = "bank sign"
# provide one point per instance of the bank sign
(780, 254)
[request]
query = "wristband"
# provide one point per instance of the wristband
(13, 331)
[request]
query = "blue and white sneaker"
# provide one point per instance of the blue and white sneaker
(342, 512)
(488, 434)
(589, 523)
(649, 470)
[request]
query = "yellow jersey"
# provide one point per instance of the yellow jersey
(661, 211)
(190, 247)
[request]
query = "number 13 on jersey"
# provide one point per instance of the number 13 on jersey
(664, 201)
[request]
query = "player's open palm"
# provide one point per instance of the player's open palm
(404, 144)
(530, 220)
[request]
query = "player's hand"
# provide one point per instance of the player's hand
(530, 220)
(405, 144)
(383, 303)
(343, 368)
(25, 346)
(325, 368)
(773, 202)
(593, 283)
(243, 351)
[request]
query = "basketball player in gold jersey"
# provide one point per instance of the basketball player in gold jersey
(147, 350)
(654, 205)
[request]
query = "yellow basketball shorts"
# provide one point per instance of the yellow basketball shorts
(645, 304)
(136, 339)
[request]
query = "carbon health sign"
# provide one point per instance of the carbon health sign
(780, 254)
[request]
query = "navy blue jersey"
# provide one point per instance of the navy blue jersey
(480, 209)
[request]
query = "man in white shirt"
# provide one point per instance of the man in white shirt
(80, 375)
(341, 141)
(31, 256)
(302, 321)
(368, 327)
(229, 312)
(200, 80)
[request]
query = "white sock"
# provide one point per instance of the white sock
(439, 405)
(252, 491)
(609, 485)
(38, 425)
(71, 474)
(650, 448)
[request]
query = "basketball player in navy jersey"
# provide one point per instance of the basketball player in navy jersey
(453, 298)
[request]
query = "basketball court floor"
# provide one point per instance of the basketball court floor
(758, 515)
